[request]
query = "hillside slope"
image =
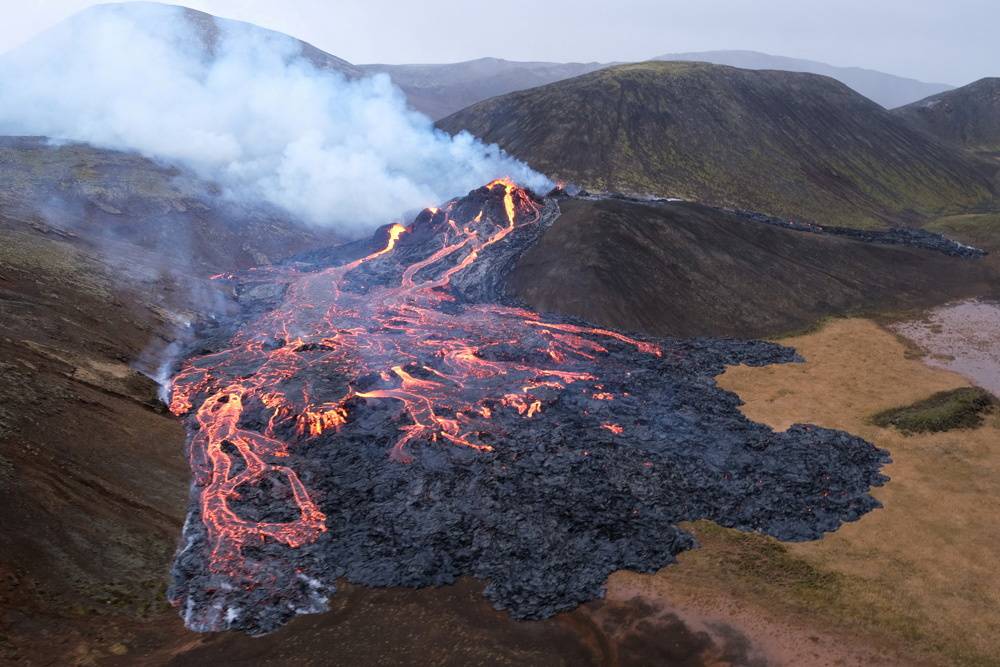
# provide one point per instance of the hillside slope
(93, 477)
(110, 195)
(683, 269)
(796, 145)
(888, 90)
(208, 28)
(968, 116)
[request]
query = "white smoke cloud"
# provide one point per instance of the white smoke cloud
(249, 113)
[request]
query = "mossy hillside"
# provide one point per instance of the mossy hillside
(795, 145)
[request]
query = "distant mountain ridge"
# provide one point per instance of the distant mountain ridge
(888, 90)
(441, 90)
(791, 144)
(806, 147)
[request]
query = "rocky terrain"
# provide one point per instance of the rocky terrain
(91, 362)
(504, 422)
(793, 145)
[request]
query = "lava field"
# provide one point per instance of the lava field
(385, 414)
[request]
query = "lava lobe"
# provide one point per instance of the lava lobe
(391, 417)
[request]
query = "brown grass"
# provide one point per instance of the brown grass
(916, 580)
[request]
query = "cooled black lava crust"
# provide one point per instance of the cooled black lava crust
(560, 503)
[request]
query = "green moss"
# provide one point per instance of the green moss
(944, 411)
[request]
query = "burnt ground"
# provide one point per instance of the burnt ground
(684, 269)
(91, 465)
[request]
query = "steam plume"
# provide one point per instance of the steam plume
(241, 106)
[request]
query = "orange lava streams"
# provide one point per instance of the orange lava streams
(399, 337)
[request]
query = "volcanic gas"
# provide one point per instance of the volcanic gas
(384, 412)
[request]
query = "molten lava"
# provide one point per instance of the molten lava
(433, 360)
(389, 416)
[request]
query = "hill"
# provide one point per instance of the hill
(107, 196)
(791, 144)
(968, 116)
(209, 26)
(684, 269)
(93, 477)
(888, 90)
(102, 268)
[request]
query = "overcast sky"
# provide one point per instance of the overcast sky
(947, 41)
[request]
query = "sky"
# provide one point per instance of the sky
(943, 41)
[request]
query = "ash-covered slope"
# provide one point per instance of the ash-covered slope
(790, 144)
(888, 90)
(968, 116)
(441, 90)
(683, 269)
(112, 196)
(92, 472)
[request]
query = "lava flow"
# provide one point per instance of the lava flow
(426, 357)
(396, 420)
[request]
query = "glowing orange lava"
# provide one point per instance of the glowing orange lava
(401, 337)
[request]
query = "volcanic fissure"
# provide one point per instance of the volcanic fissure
(389, 415)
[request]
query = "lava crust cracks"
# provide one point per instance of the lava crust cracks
(394, 420)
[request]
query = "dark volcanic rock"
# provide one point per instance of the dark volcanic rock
(904, 236)
(541, 502)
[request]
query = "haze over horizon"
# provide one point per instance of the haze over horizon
(930, 41)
